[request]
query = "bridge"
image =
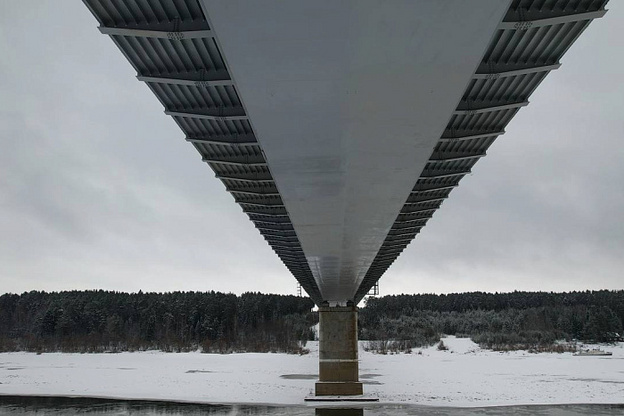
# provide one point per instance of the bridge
(340, 127)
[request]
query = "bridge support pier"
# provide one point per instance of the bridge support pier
(338, 352)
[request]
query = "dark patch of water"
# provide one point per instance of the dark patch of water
(73, 406)
(369, 375)
(300, 376)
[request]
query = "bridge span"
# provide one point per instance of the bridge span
(340, 127)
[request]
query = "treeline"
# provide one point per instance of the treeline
(99, 321)
(499, 320)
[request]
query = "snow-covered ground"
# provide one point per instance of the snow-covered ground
(463, 376)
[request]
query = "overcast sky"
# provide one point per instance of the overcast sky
(98, 188)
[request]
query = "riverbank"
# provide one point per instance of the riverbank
(465, 375)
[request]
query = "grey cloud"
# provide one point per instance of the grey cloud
(99, 189)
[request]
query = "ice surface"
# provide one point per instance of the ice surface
(464, 375)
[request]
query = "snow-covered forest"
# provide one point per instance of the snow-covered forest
(513, 320)
(105, 321)
(101, 321)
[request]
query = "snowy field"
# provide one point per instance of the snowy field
(463, 376)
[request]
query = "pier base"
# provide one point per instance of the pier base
(338, 352)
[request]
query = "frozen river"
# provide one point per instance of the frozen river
(464, 376)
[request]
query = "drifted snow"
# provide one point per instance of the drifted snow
(464, 375)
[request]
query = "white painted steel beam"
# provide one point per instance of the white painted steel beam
(388, 257)
(515, 72)
(276, 233)
(203, 116)
(226, 140)
(268, 222)
(285, 240)
(410, 234)
(406, 210)
(273, 220)
(426, 200)
(489, 109)
(272, 229)
(158, 34)
(406, 227)
(263, 214)
(222, 143)
(255, 204)
(443, 174)
(438, 157)
(439, 188)
(293, 251)
(432, 187)
(232, 162)
(569, 18)
(472, 136)
(234, 178)
(188, 82)
(236, 191)
(399, 241)
(413, 220)
(392, 254)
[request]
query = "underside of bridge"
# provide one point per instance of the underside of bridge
(340, 127)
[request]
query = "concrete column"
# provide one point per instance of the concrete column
(338, 352)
